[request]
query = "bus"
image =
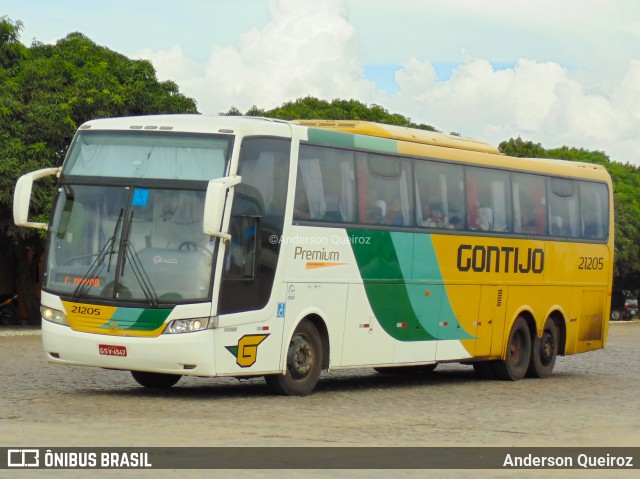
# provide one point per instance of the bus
(189, 245)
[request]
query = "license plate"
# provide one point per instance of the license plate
(107, 350)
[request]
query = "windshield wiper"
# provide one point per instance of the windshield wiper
(98, 264)
(136, 266)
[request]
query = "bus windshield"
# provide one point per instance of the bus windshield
(127, 234)
(131, 244)
(152, 154)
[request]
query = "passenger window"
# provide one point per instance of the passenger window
(488, 204)
(563, 208)
(325, 187)
(594, 205)
(529, 204)
(439, 195)
(385, 194)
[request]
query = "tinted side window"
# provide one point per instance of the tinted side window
(529, 204)
(385, 190)
(563, 208)
(488, 203)
(594, 205)
(439, 195)
(325, 187)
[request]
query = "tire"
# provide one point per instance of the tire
(616, 314)
(407, 370)
(544, 351)
(516, 362)
(484, 369)
(304, 363)
(155, 380)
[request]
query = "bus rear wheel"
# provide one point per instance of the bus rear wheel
(544, 351)
(155, 380)
(516, 362)
(304, 363)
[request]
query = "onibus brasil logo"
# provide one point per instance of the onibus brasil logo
(246, 352)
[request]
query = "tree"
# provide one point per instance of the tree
(46, 92)
(522, 149)
(314, 108)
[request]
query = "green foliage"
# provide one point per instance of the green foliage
(522, 149)
(312, 108)
(11, 50)
(47, 91)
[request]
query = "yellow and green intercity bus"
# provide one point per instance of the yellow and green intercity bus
(187, 245)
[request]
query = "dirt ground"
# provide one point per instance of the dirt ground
(591, 400)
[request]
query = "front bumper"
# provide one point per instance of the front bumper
(189, 354)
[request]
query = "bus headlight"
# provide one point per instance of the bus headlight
(53, 315)
(178, 326)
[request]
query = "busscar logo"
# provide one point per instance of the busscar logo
(23, 458)
(246, 352)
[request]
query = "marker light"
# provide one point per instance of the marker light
(178, 326)
(53, 315)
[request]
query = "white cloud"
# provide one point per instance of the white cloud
(310, 48)
(307, 48)
(539, 101)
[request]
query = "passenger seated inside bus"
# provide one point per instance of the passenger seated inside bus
(394, 214)
(428, 219)
(485, 219)
(375, 210)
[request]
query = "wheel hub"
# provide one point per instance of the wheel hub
(300, 360)
(546, 348)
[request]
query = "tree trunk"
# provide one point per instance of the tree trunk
(25, 283)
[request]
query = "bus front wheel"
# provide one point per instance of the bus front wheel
(544, 351)
(155, 380)
(304, 363)
(516, 362)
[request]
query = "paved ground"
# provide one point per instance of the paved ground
(591, 400)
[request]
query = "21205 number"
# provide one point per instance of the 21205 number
(587, 262)
(85, 310)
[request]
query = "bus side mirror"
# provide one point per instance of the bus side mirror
(214, 204)
(22, 197)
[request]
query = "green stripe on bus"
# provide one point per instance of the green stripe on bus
(138, 319)
(348, 140)
(397, 268)
(383, 145)
(151, 319)
(332, 138)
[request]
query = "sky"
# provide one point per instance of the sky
(552, 72)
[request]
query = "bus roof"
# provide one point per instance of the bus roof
(402, 133)
(419, 142)
(193, 123)
(444, 146)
